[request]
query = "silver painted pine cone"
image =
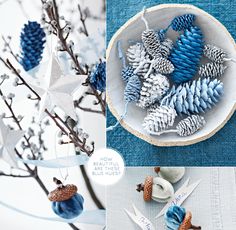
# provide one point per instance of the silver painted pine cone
(212, 70)
(214, 53)
(151, 42)
(190, 125)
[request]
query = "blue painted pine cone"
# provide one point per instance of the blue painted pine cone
(66, 202)
(32, 41)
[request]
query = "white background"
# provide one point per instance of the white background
(25, 193)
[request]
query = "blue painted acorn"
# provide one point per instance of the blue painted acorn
(176, 218)
(66, 202)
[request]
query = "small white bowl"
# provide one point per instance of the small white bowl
(160, 17)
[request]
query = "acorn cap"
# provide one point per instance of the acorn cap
(186, 224)
(62, 193)
(157, 169)
(147, 192)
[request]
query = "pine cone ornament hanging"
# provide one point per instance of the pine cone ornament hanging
(98, 77)
(186, 55)
(194, 97)
(165, 47)
(190, 125)
(153, 89)
(151, 42)
(137, 54)
(214, 53)
(32, 41)
(159, 120)
(212, 70)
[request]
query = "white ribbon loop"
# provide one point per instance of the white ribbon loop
(61, 162)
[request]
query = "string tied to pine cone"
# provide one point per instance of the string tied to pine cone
(66, 202)
(150, 38)
(179, 23)
(131, 94)
(160, 65)
(127, 70)
(187, 126)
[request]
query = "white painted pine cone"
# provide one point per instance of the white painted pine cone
(161, 119)
(153, 90)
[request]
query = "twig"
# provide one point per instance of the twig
(11, 67)
(76, 140)
(9, 106)
(13, 175)
(53, 15)
(70, 133)
(79, 101)
(90, 188)
(83, 18)
(7, 45)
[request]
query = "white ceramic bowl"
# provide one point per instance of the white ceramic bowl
(159, 17)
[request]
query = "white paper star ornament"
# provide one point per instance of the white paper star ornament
(8, 140)
(56, 89)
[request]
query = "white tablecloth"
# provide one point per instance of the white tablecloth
(213, 202)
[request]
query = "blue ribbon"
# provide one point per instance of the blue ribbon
(95, 217)
(61, 162)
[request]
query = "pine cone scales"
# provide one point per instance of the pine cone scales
(132, 89)
(165, 48)
(137, 54)
(127, 72)
(161, 119)
(194, 97)
(153, 89)
(190, 125)
(186, 55)
(162, 65)
(151, 42)
(32, 41)
(214, 53)
(212, 70)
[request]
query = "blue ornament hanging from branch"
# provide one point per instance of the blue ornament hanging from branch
(66, 202)
(32, 41)
(97, 77)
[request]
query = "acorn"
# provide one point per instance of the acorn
(66, 202)
(172, 174)
(176, 217)
(157, 189)
(186, 224)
